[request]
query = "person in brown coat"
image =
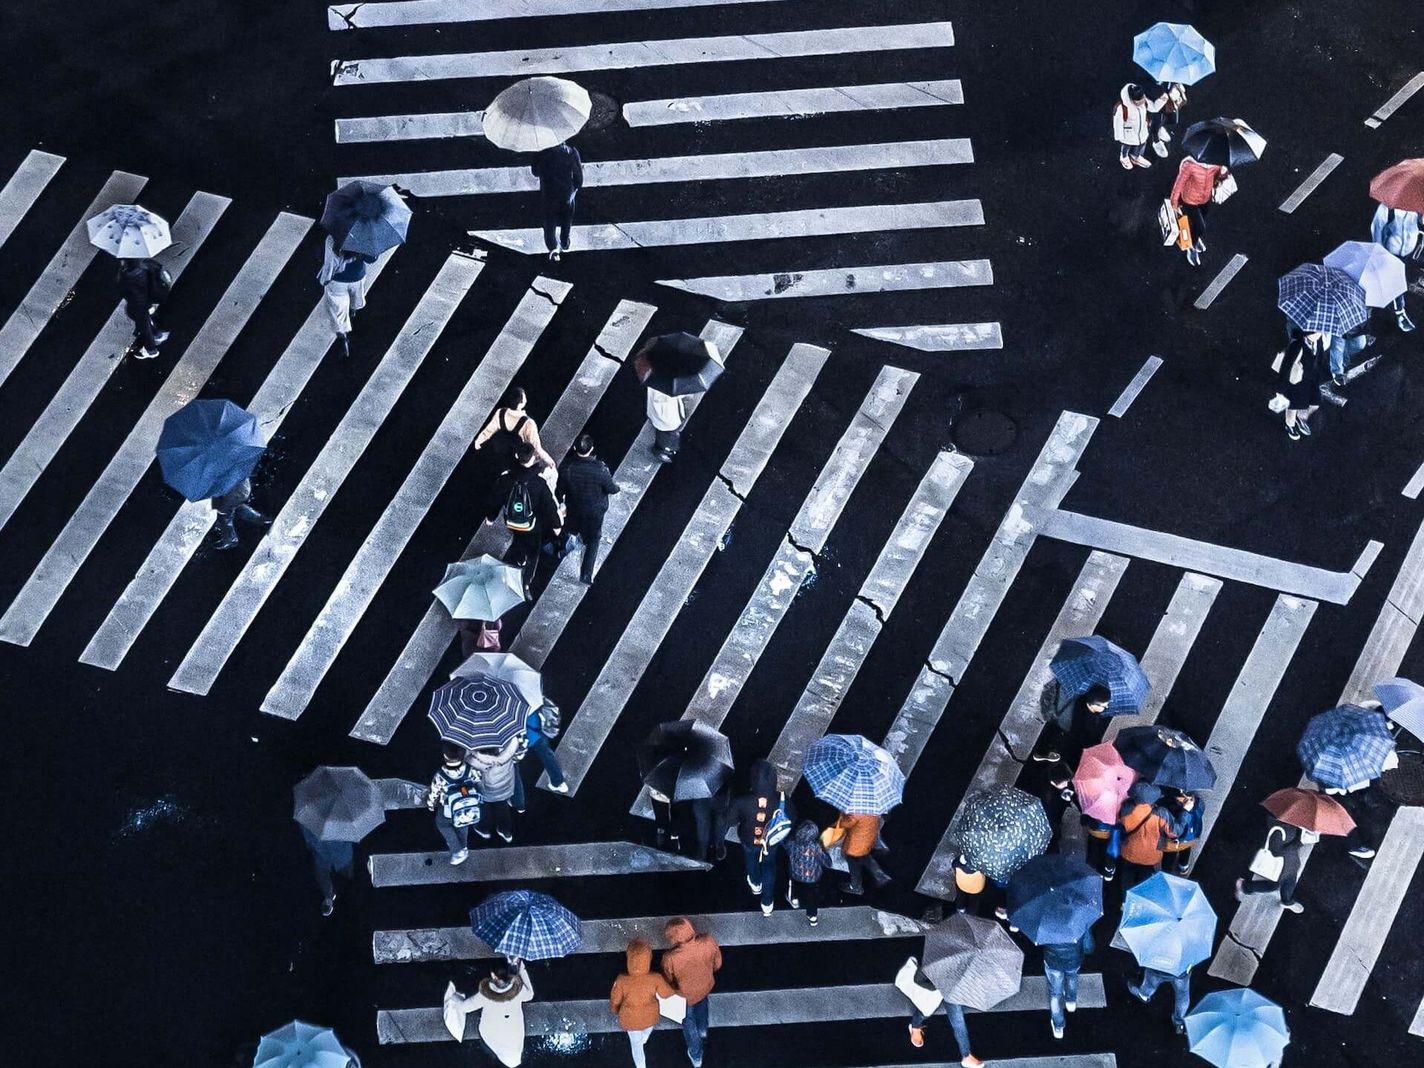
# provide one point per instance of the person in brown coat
(862, 831)
(634, 998)
(690, 964)
(1145, 827)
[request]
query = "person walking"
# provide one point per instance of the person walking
(668, 415)
(709, 822)
(1398, 232)
(543, 724)
(500, 1002)
(1181, 986)
(1073, 725)
(1300, 372)
(1191, 195)
(585, 484)
(1062, 961)
(752, 812)
(634, 998)
(1168, 117)
(343, 285)
(529, 509)
(1145, 827)
(329, 859)
(454, 798)
(690, 965)
(958, 1026)
(1132, 123)
(1276, 865)
(807, 860)
(1185, 813)
(143, 286)
(233, 505)
(497, 772)
(859, 834)
(508, 426)
(560, 173)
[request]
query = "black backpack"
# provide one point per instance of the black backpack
(519, 508)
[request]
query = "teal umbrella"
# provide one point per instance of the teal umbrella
(302, 1045)
(483, 588)
(1237, 1029)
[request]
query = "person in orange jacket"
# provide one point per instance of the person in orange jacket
(861, 831)
(690, 964)
(1145, 827)
(634, 998)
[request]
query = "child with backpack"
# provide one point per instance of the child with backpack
(1132, 124)
(454, 798)
(807, 860)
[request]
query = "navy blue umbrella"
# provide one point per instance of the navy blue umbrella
(366, 218)
(207, 447)
(1082, 663)
(1055, 898)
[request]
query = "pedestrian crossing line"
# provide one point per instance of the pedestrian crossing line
(1416, 1026)
(1064, 1060)
(1312, 182)
(1136, 386)
(103, 356)
(637, 55)
(378, 128)
(1221, 281)
(382, 547)
(498, 864)
(417, 662)
(1023, 722)
(1397, 101)
(944, 337)
(838, 281)
(190, 525)
(24, 188)
(425, 12)
(589, 728)
(51, 289)
(1415, 484)
(401, 794)
(267, 564)
(705, 230)
(62, 561)
(789, 103)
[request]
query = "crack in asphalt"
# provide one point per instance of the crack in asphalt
(879, 612)
(547, 296)
(942, 674)
(731, 488)
(346, 16)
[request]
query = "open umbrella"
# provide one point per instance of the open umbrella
(1168, 923)
(338, 804)
(366, 218)
(853, 774)
(972, 962)
(1315, 297)
(536, 113)
(1377, 271)
(1165, 757)
(678, 364)
(129, 232)
(1055, 898)
(1223, 142)
(1345, 746)
(1400, 186)
(207, 447)
(1174, 52)
(1237, 1028)
(1102, 781)
(685, 760)
(1001, 829)
(1403, 701)
(508, 667)
(483, 588)
(301, 1045)
(526, 925)
(478, 712)
(1310, 810)
(1082, 663)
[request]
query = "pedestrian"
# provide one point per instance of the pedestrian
(807, 860)
(585, 484)
(1181, 986)
(1191, 195)
(233, 505)
(343, 284)
(1132, 123)
(529, 509)
(1276, 865)
(1062, 961)
(634, 998)
(1185, 813)
(1343, 348)
(972, 893)
(497, 772)
(1074, 724)
(560, 173)
(709, 822)
(478, 636)
(668, 415)
(543, 724)
(143, 286)
(690, 964)
(500, 1002)
(454, 798)
(926, 995)
(1145, 828)
(1168, 117)
(329, 860)
(859, 834)
(1398, 232)
(1300, 372)
(761, 841)
(508, 425)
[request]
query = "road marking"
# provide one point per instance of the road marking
(61, 562)
(1308, 186)
(1023, 722)
(946, 337)
(1416, 1026)
(357, 131)
(51, 290)
(401, 794)
(190, 525)
(1138, 383)
(1222, 280)
(838, 281)
(637, 55)
(786, 103)
(423, 12)
(1415, 484)
(498, 864)
(266, 566)
(24, 188)
(1397, 101)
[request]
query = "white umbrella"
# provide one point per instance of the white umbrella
(129, 232)
(483, 588)
(508, 667)
(1379, 273)
(536, 113)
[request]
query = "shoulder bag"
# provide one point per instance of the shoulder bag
(1224, 190)
(1265, 863)
(927, 1001)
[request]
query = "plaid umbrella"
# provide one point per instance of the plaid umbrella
(301, 1045)
(678, 364)
(1173, 52)
(482, 588)
(1237, 1028)
(1323, 299)
(1102, 781)
(1400, 187)
(366, 218)
(1310, 810)
(1167, 923)
(1165, 757)
(853, 774)
(1223, 142)
(509, 668)
(1379, 273)
(1403, 702)
(479, 712)
(1001, 829)
(527, 925)
(1082, 663)
(685, 760)
(338, 804)
(1055, 898)
(972, 962)
(129, 232)
(1345, 746)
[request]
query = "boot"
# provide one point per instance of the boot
(227, 530)
(250, 514)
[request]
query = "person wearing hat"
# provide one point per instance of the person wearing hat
(500, 1002)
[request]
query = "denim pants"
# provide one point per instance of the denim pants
(1062, 986)
(1181, 990)
(1341, 350)
(456, 838)
(694, 1029)
(545, 752)
(956, 1024)
(762, 870)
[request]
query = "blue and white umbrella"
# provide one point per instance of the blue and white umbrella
(301, 1045)
(1001, 830)
(1379, 272)
(1322, 299)
(1082, 663)
(1345, 747)
(1168, 923)
(1403, 701)
(526, 925)
(207, 447)
(480, 712)
(854, 774)
(1238, 1028)
(1174, 52)
(129, 232)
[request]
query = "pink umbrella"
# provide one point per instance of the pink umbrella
(1102, 780)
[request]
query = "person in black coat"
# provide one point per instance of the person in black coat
(585, 485)
(234, 505)
(560, 173)
(751, 812)
(143, 286)
(527, 537)
(1304, 368)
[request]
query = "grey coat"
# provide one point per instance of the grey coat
(497, 771)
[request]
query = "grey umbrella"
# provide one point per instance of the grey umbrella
(338, 804)
(972, 962)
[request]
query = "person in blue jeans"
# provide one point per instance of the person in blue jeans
(690, 964)
(543, 724)
(751, 811)
(1181, 986)
(1062, 961)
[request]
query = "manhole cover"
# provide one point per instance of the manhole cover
(984, 433)
(605, 111)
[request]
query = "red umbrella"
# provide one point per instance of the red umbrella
(1102, 780)
(1310, 810)
(1401, 186)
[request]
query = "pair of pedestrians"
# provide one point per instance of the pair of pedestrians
(688, 970)
(475, 791)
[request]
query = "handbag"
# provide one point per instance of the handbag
(968, 882)
(1278, 403)
(1265, 863)
(673, 1008)
(777, 828)
(927, 1001)
(832, 836)
(1168, 220)
(1184, 234)
(1224, 190)
(454, 1012)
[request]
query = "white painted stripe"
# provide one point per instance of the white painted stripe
(838, 281)
(423, 12)
(383, 546)
(266, 566)
(636, 55)
(1062, 1060)
(1222, 280)
(1397, 101)
(1138, 383)
(37, 598)
(781, 103)
(103, 356)
(1312, 182)
(410, 127)
(944, 337)
(24, 188)
(401, 794)
(1416, 1026)
(51, 289)
(589, 728)
(185, 532)
(1415, 484)
(806, 222)
(511, 863)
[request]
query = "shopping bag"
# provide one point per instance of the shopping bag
(673, 1008)
(1224, 190)
(454, 1013)
(1167, 219)
(928, 1000)
(1184, 233)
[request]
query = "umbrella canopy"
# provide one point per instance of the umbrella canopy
(523, 924)
(1168, 923)
(685, 760)
(1001, 829)
(678, 364)
(1165, 757)
(972, 962)
(366, 218)
(1223, 142)
(479, 712)
(483, 588)
(1321, 298)
(1237, 1028)
(338, 804)
(1345, 746)
(508, 667)
(1403, 702)
(536, 113)
(1401, 186)
(129, 232)
(207, 447)
(1082, 663)
(1378, 272)
(1055, 898)
(1310, 810)
(1102, 781)
(1174, 52)
(853, 774)
(301, 1045)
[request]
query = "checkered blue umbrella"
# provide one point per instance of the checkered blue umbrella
(1168, 923)
(1055, 898)
(1238, 1028)
(478, 712)
(1174, 52)
(302, 1045)
(854, 774)
(527, 925)
(1322, 299)
(1345, 746)
(1001, 830)
(1082, 663)
(1380, 273)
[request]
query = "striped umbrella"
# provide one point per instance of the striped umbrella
(972, 962)
(1174, 52)
(1403, 702)
(526, 925)
(853, 774)
(1345, 746)
(1168, 923)
(1082, 663)
(301, 1045)
(1322, 299)
(1001, 829)
(1238, 1028)
(479, 712)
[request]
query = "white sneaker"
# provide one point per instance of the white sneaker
(1126, 163)
(1141, 161)
(460, 857)
(562, 788)
(1057, 1031)
(1071, 1006)
(554, 256)
(1160, 147)
(766, 910)
(756, 887)
(144, 354)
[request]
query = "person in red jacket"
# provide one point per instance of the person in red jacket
(1191, 195)
(690, 964)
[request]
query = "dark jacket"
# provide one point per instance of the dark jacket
(805, 854)
(142, 283)
(1068, 956)
(234, 498)
(752, 810)
(546, 509)
(560, 172)
(1314, 369)
(354, 267)
(585, 485)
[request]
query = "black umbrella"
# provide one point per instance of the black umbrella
(367, 218)
(685, 760)
(338, 804)
(1165, 757)
(678, 364)
(1221, 141)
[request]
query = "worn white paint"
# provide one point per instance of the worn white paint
(359, 16)
(24, 188)
(1312, 182)
(785, 103)
(1222, 280)
(1138, 383)
(376, 128)
(1398, 100)
(838, 281)
(514, 863)
(943, 337)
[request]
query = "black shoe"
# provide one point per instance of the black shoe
(1179, 1027)
(721, 851)
(1405, 323)
(227, 542)
(1292, 432)
(1340, 381)
(1049, 756)
(587, 580)
(853, 888)
(327, 905)
(882, 880)
(249, 514)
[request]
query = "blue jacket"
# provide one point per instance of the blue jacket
(1068, 956)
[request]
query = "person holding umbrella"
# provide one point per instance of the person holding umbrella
(1062, 963)
(362, 220)
(1176, 55)
(232, 506)
(926, 1001)
(560, 173)
(1276, 865)
(1195, 190)
(1400, 192)
(863, 782)
(1145, 827)
(972, 963)
(499, 1000)
(476, 593)
(672, 368)
(1168, 925)
(1055, 899)
(207, 449)
(335, 808)
(686, 762)
(1132, 124)
(134, 235)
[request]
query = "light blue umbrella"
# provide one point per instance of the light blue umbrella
(1168, 923)
(301, 1045)
(1237, 1029)
(1174, 52)
(1403, 701)
(483, 588)
(1379, 272)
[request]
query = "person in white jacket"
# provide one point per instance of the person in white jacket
(1132, 124)
(500, 1002)
(667, 414)
(1398, 232)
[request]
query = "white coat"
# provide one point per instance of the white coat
(1131, 121)
(666, 412)
(501, 1018)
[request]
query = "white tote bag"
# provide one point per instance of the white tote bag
(927, 1001)
(673, 1008)
(1265, 863)
(454, 1013)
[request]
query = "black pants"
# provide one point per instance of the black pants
(1196, 218)
(808, 894)
(707, 823)
(590, 530)
(524, 552)
(144, 329)
(497, 816)
(860, 866)
(558, 213)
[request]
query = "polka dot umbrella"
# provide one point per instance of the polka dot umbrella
(1002, 829)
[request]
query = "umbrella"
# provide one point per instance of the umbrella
(1322, 298)
(366, 218)
(129, 232)
(1165, 757)
(1403, 702)
(1167, 923)
(1237, 1028)
(1401, 186)
(1173, 52)
(338, 804)
(301, 1045)
(479, 712)
(1102, 781)
(1001, 829)
(536, 113)
(1310, 810)
(526, 925)
(853, 774)
(1222, 141)
(1345, 746)
(483, 588)
(685, 759)
(1082, 663)
(1378, 272)
(1055, 898)
(207, 447)
(972, 962)
(508, 667)
(678, 364)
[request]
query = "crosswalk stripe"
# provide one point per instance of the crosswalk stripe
(511, 863)
(1136, 386)
(838, 281)
(269, 562)
(1416, 1026)
(409, 127)
(190, 525)
(803, 222)
(1312, 181)
(945, 337)
(1023, 722)
(1221, 281)
(585, 734)
(51, 288)
(884, 96)
(424, 12)
(37, 598)
(1061, 1060)
(1398, 100)
(67, 407)
(624, 55)
(382, 547)
(24, 188)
